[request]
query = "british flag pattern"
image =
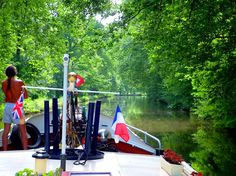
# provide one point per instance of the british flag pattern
(17, 110)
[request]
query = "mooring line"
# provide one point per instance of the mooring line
(42, 88)
(76, 90)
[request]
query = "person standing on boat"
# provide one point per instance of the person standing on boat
(12, 88)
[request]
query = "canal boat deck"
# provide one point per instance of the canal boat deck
(113, 163)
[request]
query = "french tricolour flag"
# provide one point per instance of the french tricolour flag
(119, 126)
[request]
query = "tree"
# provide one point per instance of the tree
(190, 51)
(35, 35)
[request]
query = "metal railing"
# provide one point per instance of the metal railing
(146, 134)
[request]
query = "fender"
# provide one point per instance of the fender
(34, 137)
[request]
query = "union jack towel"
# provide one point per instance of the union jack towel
(17, 110)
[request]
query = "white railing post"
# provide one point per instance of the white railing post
(63, 140)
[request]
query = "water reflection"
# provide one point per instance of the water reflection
(215, 154)
(137, 106)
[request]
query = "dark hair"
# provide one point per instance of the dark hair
(10, 72)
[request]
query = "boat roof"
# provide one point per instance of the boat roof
(113, 163)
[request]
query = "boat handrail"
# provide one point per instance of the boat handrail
(147, 134)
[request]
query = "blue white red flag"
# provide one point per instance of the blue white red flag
(119, 126)
(17, 110)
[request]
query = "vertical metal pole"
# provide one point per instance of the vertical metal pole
(84, 117)
(63, 140)
(55, 124)
(96, 126)
(46, 126)
(89, 128)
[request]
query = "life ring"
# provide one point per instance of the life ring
(33, 134)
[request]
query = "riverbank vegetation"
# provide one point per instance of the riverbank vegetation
(178, 52)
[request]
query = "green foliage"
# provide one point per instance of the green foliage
(34, 106)
(29, 172)
(26, 172)
(212, 78)
(159, 34)
(34, 37)
(189, 51)
(131, 65)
